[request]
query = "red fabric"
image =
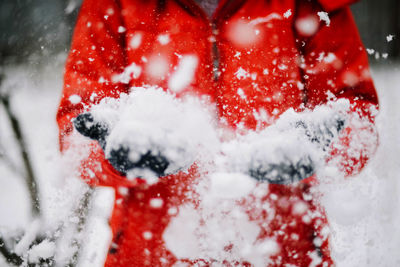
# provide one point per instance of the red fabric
(284, 71)
(331, 5)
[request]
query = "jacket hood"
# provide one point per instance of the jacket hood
(332, 5)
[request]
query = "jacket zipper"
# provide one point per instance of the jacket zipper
(215, 52)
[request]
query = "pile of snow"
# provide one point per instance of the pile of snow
(150, 119)
(218, 229)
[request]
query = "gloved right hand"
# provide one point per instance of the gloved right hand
(119, 157)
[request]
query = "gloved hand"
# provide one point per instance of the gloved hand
(86, 125)
(289, 151)
(119, 158)
(296, 168)
(286, 172)
(322, 133)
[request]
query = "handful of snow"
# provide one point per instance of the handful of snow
(150, 119)
(292, 149)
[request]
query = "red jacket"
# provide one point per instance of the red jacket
(278, 47)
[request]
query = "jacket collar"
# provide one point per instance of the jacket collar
(225, 9)
(332, 5)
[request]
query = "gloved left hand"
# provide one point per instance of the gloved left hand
(293, 168)
(119, 157)
(287, 152)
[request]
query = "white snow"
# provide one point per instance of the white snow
(156, 203)
(176, 128)
(389, 38)
(184, 73)
(270, 17)
(157, 67)
(324, 16)
(75, 99)
(307, 26)
(136, 40)
(370, 51)
(132, 71)
(241, 73)
(44, 250)
(287, 14)
(163, 39)
(230, 185)
(121, 29)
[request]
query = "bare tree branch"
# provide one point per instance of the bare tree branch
(30, 176)
(82, 211)
(11, 257)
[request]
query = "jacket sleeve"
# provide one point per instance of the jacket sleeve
(335, 65)
(97, 53)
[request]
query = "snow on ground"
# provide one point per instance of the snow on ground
(363, 211)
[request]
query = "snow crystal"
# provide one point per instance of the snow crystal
(323, 16)
(282, 67)
(241, 73)
(123, 190)
(307, 26)
(184, 74)
(329, 58)
(110, 11)
(287, 14)
(270, 17)
(132, 71)
(315, 259)
(350, 78)
(157, 66)
(237, 55)
(156, 203)
(172, 211)
(75, 99)
(370, 51)
(243, 33)
(147, 235)
(231, 185)
(121, 29)
(135, 40)
(163, 39)
(241, 93)
(299, 208)
(43, 250)
(389, 38)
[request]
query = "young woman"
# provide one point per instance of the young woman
(281, 54)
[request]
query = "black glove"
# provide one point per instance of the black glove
(289, 171)
(322, 133)
(119, 158)
(286, 172)
(86, 125)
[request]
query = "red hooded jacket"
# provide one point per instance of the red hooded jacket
(278, 44)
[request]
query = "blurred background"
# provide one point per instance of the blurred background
(44, 207)
(34, 30)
